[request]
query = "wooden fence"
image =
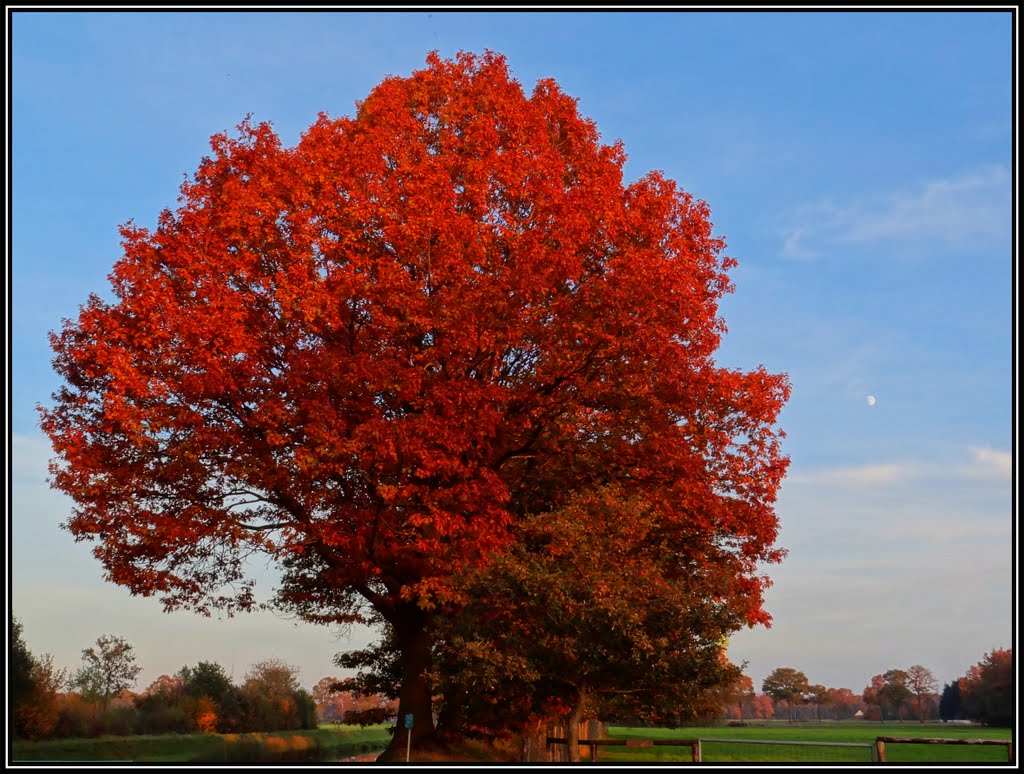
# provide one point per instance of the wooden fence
(881, 741)
(593, 744)
(557, 746)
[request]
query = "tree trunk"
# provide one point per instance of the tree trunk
(414, 694)
(572, 733)
(534, 743)
(451, 716)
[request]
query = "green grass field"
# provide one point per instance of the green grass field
(329, 743)
(853, 732)
(334, 743)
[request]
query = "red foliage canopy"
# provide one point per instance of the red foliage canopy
(368, 354)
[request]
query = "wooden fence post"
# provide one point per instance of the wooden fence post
(695, 751)
(880, 747)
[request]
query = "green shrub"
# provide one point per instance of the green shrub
(76, 718)
(120, 721)
(163, 719)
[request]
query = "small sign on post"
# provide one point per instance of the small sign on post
(408, 735)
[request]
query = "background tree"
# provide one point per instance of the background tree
(874, 696)
(39, 714)
(922, 685)
(889, 691)
(820, 695)
(988, 692)
(206, 678)
(761, 707)
(741, 693)
(161, 706)
(335, 702)
(330, 698)
(949, 704)
(107, 669)
(212, 701)
(34, 684)
(896, 692)
(788, 685)
(270, 687)
(844, 702)
(171, 687)
(369, 355)
(306, 708)
(19, 671)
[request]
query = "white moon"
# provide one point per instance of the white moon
(871, 400)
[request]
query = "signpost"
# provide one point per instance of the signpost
(408, 735)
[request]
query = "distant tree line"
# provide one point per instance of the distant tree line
(986, 694)
(97, 699)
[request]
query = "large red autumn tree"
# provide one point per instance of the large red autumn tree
(370, 355)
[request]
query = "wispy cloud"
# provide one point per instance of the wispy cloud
(989, 463)
(857, 475)
(983, 462)
(971, 209)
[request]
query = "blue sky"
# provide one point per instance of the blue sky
(859, 165)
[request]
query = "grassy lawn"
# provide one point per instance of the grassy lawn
(854, 732)
(322, 744)
(334, 743)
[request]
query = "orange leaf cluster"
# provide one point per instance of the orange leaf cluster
(370, 354)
